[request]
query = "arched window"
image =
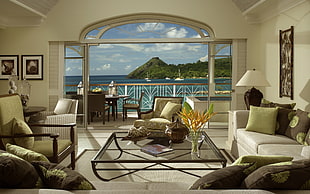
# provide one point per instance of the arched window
(147, 28)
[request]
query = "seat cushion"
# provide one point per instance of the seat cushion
(282, 149)
(154, 123)
(251, 140)
(45, 147)
(20, 127)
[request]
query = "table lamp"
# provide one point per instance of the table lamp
(253, 78)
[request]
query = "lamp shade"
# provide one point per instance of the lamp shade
(253, 78)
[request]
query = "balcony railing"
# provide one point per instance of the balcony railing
(160, 89)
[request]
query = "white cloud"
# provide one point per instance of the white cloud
(165, 47)
(103, 67)
(135, 47)
(194, 48)
(175, 33)
(151, 27)
(203, 59)
(128, 67)
(105, 46)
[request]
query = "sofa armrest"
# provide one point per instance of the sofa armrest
(240, 118)
(305, 152)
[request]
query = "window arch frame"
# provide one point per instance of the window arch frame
(199, 27)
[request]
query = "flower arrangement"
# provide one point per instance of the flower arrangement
(194, 120)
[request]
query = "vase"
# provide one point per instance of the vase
(196, 138)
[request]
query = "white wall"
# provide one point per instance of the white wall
(268, 57)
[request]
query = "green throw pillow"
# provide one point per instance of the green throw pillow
(170, 109)
(55, 176)
(229, 177)
(16, 173)
(20, 127)
(261, 160)
(283, 176)
(262, 120)
(24, 153)
(299, 126)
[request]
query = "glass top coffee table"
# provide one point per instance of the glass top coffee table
(126, 157)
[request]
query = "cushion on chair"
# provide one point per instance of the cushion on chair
(25, 154)
(45, 147)
(154, 123)
(160, 103)
(63, 106)
(20, 127)
(170, 109)
(267, 103)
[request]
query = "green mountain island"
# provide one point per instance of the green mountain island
(155, 68)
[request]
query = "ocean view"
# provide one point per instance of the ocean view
(102, 81)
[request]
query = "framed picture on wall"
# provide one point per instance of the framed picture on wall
(9, 65)
(286, 62)
(32, 66)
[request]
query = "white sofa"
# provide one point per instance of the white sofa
(253, 143)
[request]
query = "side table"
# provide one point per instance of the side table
(31, 110)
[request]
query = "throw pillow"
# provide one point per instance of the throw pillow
(24, 153)
(299, 126)
(261, 160)
(267, 103)
(16, 172)
(229, 177)
(63, 106)
(283, 120)
(262, 120)
(285, 175)
(55, 176)
(170, 109)
(20, 127)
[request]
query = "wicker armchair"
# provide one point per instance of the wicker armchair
(55, 149)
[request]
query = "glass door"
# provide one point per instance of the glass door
(75, 79)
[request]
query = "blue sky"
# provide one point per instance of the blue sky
(121, 59)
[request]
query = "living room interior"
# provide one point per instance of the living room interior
(252, 27)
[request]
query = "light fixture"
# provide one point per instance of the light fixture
(253, 78)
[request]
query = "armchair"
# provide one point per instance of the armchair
(163, 111)
(64, 112)
(14, 130)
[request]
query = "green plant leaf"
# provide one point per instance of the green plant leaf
(187, 107)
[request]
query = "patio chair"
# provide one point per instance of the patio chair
(14, 130)
(133, 106)
(97, 104)
(163, 112)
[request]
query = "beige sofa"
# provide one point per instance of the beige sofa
(253, 143)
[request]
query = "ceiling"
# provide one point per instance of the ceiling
(21, 13)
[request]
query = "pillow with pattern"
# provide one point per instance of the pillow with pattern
(55, 176)
(283, 120)
(267, 103)
(16, 172)
(285, 175)
(299, 126)
(229, 177)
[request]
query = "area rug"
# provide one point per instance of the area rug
(83, 166)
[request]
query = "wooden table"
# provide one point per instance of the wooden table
(31, 110)
(112, 100)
